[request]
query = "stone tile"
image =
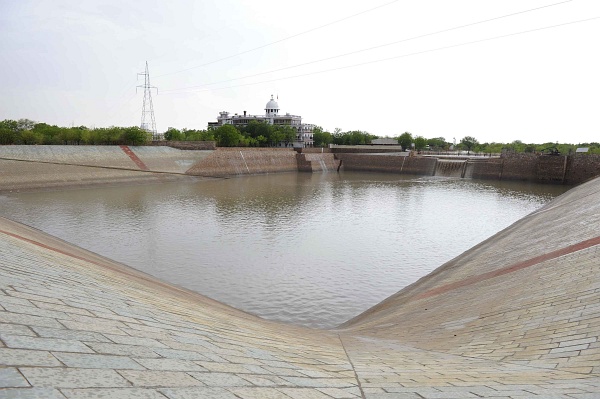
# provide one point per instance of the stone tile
(150, 378)
(63, 333)
(179, 354)
(11, 378)
(221, 379)
(90, 327)
(86, 361)
(320, 382)
(197, 392)
(170, 364)
(25, 357)
(16, 329)
(62, 308)
(73, 378)
(28, 320)
(112, 393)
(265, 380)
(258, 393)
(35, 311)
(31, 393)
(338, 393)
(304, 393)
(224, 367)
(48, 344)
(122, 350)
(128, 340)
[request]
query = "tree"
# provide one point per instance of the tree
(173, 134)
(469, 142)
(321, 138)
(405, 140)
(227, 136)
(420, 143)
(437, 143)
(288, 134)
(134, 135)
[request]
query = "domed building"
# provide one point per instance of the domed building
(304, 137)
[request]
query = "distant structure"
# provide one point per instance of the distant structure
(384, 141)
(304, 136)
(148, 123)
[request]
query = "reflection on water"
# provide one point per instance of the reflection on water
(312, 249)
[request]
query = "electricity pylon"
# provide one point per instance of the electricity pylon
(148, 122)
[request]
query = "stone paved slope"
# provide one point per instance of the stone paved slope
(74, 324)
(52, 166)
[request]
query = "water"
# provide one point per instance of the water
(311, 249)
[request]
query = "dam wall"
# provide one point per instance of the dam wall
(49, 166)
(388, 163)
(245, 161)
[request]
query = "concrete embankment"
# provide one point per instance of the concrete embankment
(32, 167)
(572, 169)
(245, 161)
(517, 316)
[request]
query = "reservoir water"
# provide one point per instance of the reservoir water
(310, 249)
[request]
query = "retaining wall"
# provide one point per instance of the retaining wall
(188, 145)
(388, 163)
(245, 161)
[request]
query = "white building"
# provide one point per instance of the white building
(304, 136)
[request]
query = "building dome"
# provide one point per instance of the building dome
(272, 104)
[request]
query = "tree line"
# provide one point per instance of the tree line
(255, 134)
(25, 131)
(471, 144)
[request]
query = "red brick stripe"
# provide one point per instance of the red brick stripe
(509, 269)
(39, 244)
(134, 157)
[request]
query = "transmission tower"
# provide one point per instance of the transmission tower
(148, 122)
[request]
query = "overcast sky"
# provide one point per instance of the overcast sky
(76, 62)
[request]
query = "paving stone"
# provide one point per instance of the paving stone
(48, 344)
(31, 393)
(73, 378)
(338, 393)
(170, 364)
(150, 378)
(304, 393)
(16, 329)
(112, 393)
(179, 354)
(28, 320)
(265, 380)
(221, 379)
(86, 361)
(320, 382)
(127, 340)
(122, 350)
(258, 393)
(198, 392)
(11, 378)
(25, 357)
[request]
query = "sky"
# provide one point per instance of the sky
(497, 70)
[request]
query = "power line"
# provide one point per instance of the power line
(279, 41)
(375, 47)
(403, 55)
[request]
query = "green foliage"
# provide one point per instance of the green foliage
(173, 134)
(420, 143)
(353, 137)
(227, 136)
(287, 133)
(469, 142)
(321, 138)
(438, 144)
(405, 140)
